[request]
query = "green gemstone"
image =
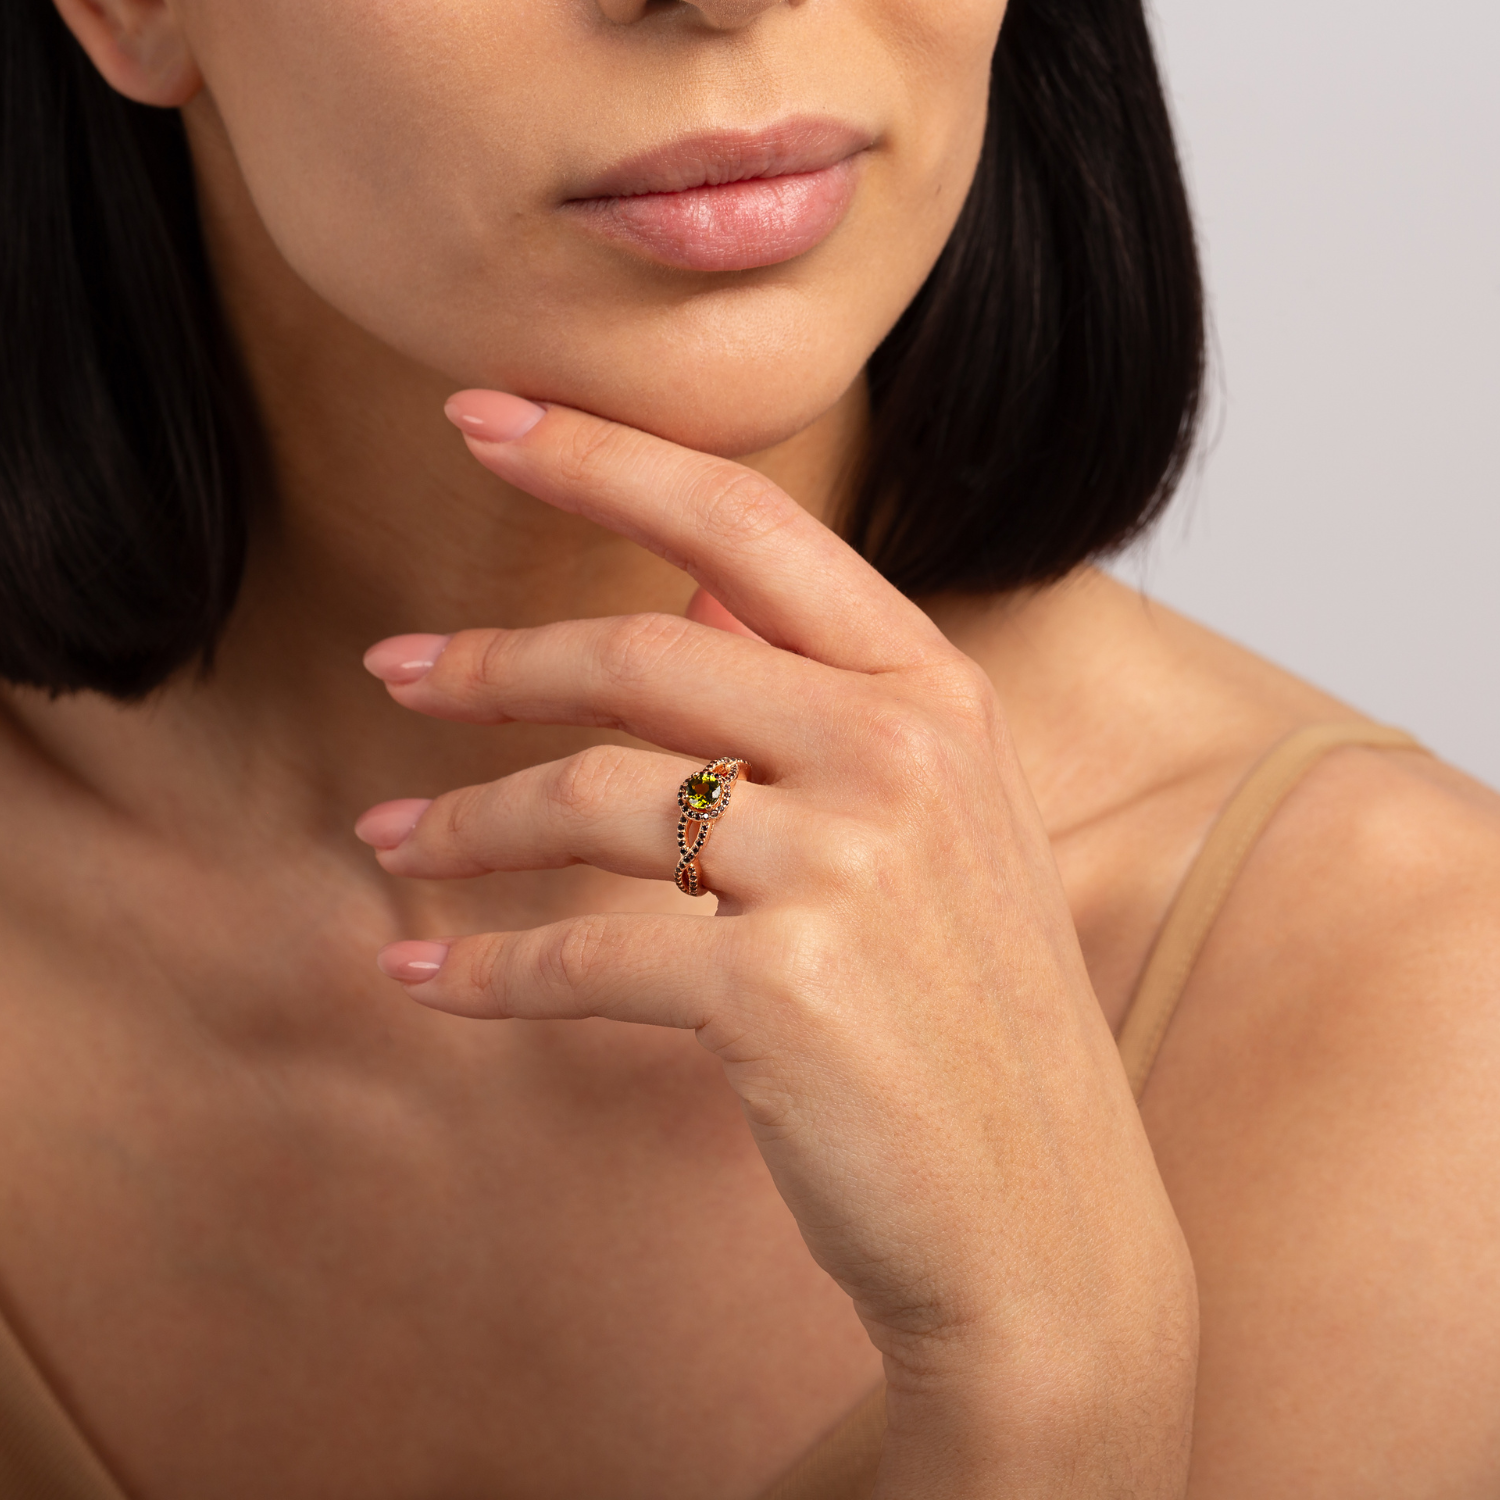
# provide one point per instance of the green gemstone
(704, 789)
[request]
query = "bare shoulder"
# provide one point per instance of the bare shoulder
(1326, 1114)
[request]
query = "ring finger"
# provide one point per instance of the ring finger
(609, 806)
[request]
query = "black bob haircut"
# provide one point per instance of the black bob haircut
(1033, 408)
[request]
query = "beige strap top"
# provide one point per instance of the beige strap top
(43, 1455)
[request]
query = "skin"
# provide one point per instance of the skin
(323, 1241)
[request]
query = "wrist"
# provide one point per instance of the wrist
(1100, 1408)
(1058, 1439)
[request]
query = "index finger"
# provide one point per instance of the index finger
(774, 566)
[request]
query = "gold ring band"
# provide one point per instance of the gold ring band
(702, 798)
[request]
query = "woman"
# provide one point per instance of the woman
(271, 1228)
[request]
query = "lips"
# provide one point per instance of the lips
(728, 201)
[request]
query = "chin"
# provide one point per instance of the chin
(730, 418)
(729, 386)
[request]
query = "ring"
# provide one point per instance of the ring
(702, 798)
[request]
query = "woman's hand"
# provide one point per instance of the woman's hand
(892, 980)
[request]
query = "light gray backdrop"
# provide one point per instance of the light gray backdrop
(1344, 157)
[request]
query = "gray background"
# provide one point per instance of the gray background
(1344, 519)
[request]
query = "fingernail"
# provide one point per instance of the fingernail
(405, 658)
(411, 963)
(492, 416)
(389, 823)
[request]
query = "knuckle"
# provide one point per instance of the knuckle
(491, 663)
(965, 692)
(799, 961)
(920, 765)
(486, 971)
(909, 744)
(853, 860)
(464, 816)
(591, 451)
(635, 648)
(585, 784)
(740, 505)
(570, 955)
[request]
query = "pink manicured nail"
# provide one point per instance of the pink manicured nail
(389, 823)
(411, 963)
(492, 416)
(404, 658)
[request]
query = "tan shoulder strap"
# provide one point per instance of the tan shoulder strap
(1213, 874)
(43, 1456)
(842, 1465)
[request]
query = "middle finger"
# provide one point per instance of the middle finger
(661, 678)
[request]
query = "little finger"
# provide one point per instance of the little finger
(654, 970)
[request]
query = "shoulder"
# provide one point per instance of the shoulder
(1369, 907)
(1326, 1113)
